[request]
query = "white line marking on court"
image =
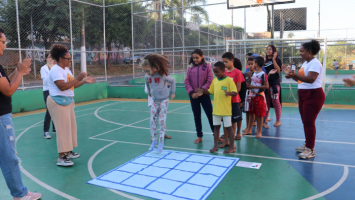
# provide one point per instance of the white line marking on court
(334, 187)
(92, 174)
(238, 154)
(50, 188)
(282, 138)
(320, 120)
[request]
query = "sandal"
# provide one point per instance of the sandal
(222, 136)
(220, 140)
(223, 145)
(198, 140)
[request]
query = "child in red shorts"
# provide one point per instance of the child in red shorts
(257, 104)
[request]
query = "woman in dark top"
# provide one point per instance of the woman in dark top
(273, 68)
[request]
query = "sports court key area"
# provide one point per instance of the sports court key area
(112, 133)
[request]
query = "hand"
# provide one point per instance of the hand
(275, 56)
(172, 96)
(249, 86)
(286, 69)
(194, 96)
(90, 80)
(81, 76)
(24, 66)
(28, 71)
(291, 75)
(226, 93)
(273, 71)
(349, 82)
(241, 104)
(199, 91)
(169, 84)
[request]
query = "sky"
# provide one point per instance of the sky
(336, 17)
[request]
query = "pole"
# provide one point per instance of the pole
(208, 38)
(232, 36)
(324, 63)
(71, 38)
(282, 35)
(272, 23)
(82, 41)
(133, 37)
(104, 22)
(173, 42)
(183, 38)
(19, 39)
(245, 36)
(161, 27)
(345, 63)
(199, 30)
(33, 47)
(319, 19)
(155, 27)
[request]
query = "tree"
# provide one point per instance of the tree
(50, 21)
(290, 35)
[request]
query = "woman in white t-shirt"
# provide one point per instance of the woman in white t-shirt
(60, 103)
(44, 76)
(311, 96)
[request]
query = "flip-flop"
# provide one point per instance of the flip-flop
(198, 140)
(220, 140)
(222, 136)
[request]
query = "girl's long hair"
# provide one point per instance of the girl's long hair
(273, 51)
(158, 62)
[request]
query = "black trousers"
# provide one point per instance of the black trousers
(47, 117)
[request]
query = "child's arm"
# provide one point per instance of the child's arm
(145, 88)
(233, 89)
(173, 85)
(209, 78)
(148, 87)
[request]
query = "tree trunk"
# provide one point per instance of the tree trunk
(109, 54)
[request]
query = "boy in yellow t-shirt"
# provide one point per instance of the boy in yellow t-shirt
(223, 88)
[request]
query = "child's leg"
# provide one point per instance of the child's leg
(226, 135)
(250, 125)
(277, 105)
(259, 127)
(230, 130)
(247, 117)
(215, 138)
(162, 122)
(153, 124)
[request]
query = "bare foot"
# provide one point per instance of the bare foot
(222, 136)
(231, 149)
(214, 149)
(198, 140)
(248, 133)
(167, 136)
(258, 135)
(277, 123)
(266, 126)
(245, 129)
(254, 124)
(268, 119)
(238, 137)
(224, 144)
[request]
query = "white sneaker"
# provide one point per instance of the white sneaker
(71, 155)
(301, 149)
(46, 135)
(64, 161)
(307, 153)
(29, 196)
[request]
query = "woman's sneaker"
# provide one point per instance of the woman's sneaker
(307, 153)
(301, 149)
(46, 135)
(29, 196)
(64, 161)
(72, 155)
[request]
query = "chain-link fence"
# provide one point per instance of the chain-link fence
(109, 38)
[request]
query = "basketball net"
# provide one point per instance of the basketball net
(256, 5)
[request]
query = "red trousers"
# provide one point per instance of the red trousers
(310, 102)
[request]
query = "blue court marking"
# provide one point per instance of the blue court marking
(176, 188)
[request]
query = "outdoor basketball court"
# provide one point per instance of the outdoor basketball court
(112, 133)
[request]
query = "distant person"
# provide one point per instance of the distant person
(293, 66)
(254, 56)
(44, 76)
(299, 65)
(311, 96)
(336, 66)
(9, 162)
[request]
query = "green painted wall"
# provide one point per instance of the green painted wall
(33, 99)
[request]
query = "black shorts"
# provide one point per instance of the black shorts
(236, 113)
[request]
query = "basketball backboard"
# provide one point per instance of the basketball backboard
(233, 4)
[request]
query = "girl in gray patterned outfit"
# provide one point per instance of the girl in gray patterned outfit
(157, 78)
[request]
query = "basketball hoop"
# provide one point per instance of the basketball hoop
(256, 5)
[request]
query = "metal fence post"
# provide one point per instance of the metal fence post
(19, 39)
(104, 21)
(183, 38)
(173, 42)
(133, 38)
(71, 38)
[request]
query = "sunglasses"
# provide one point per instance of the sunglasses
(69, 59)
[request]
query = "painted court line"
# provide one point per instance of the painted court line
(282, 138)
(50, 188)
(320, 120)
(239, 154)
(334, 187)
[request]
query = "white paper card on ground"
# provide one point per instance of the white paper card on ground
(249, 165)
(171, 175)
